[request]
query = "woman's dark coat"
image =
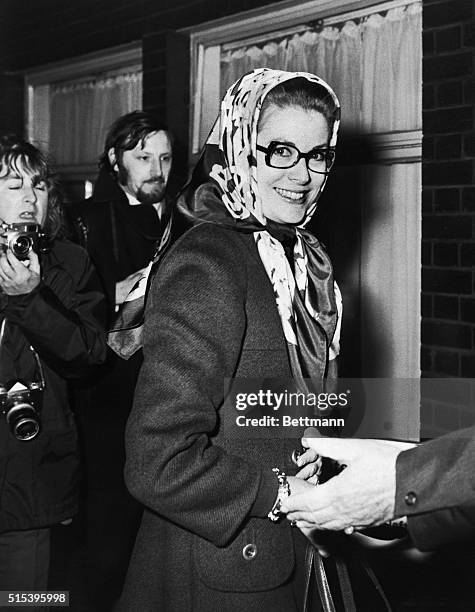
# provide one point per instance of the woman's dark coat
(62, 319)
(211, 315)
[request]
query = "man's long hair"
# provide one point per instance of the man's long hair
(18, 157)
(127, 132)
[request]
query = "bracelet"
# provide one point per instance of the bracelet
(282, 493)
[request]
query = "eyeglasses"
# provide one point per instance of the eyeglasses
(281, 155)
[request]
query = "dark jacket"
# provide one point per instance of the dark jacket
(62, 319)
(119, 238)
(207, 491)
(436, 489)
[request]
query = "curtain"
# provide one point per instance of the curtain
(374, 66)
(82, 112)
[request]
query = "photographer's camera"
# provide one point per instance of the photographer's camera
(20, 407)
(22, 238)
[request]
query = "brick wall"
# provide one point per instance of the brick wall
(63, 29)
(30, 37)
(448, 227)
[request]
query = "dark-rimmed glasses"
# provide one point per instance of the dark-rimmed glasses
(283, 155)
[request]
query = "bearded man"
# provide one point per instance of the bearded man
(129, 215)
(125, 227)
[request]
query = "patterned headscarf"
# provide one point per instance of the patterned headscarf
(227, 174)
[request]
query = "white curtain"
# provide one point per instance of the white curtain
(82, 112)
(374, 67)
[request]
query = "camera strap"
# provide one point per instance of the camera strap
(39, 384)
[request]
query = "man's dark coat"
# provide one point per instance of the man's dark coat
(436, 489)
(121, 239)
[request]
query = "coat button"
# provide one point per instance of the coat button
(410, 498)
(249, 552)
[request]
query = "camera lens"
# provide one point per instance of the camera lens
(22, 245)
(23, 421)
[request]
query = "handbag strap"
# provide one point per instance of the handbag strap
(345, 585)
(313, 561)
(322, 583)
(308, 575)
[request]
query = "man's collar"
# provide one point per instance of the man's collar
(132, 201)
(159, 206)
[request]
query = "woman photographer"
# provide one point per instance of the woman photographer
(51, 312)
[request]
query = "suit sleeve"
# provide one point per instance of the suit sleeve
(194, 327)
(438, 474)
(435, 488)
(63, 318)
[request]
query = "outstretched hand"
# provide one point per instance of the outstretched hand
(363, 494)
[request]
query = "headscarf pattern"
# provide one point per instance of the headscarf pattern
(226, 174)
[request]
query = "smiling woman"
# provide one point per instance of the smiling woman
(288, 192)
(250, 293)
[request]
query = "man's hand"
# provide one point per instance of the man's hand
(19, 277)
(362, 494)
(311, 465)
(124, 287)
(300, 488)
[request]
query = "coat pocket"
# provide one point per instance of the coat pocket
(260, 558)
